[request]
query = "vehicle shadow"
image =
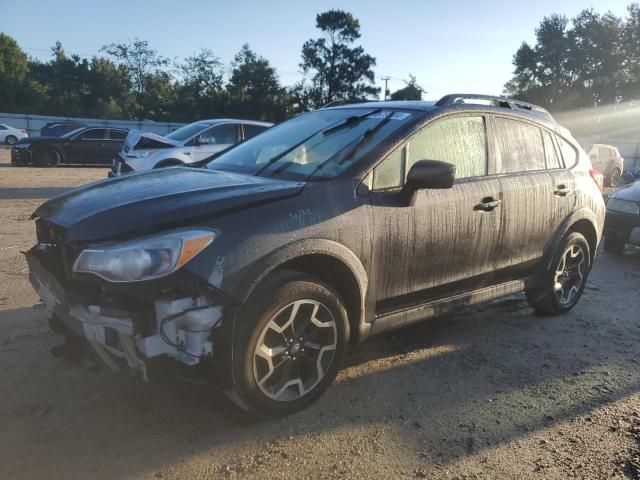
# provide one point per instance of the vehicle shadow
(449, 388)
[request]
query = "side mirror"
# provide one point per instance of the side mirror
(199, 140)
(432, 174)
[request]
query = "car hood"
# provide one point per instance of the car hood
(155, 200)
(628, 192)
(145, 140)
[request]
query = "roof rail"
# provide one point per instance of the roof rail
(504, 102)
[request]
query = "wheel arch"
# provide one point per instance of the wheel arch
(582, 221)
(329, 261)
(54, 148)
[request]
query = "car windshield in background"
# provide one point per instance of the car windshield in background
(323, 143)
(72, 132)
(188, 131)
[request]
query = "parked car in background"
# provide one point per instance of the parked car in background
(188, 145)
(57, 129)
(622, 225)
(328, 228)
(607, 160)
(10, 135)
(87, 146)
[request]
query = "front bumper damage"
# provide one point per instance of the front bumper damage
(179, 327)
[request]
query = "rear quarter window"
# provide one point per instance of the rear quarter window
(569, 154)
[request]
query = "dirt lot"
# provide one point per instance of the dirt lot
(491, 392)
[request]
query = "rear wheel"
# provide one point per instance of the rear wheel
(11, 140)
(290, 343)
(615, 177)
(614, 245)
(562, 285)
(47, 158)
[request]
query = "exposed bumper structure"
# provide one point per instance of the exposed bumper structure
(181, 327)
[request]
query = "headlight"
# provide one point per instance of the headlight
(142, 154)
(22, 145)
(623, 206)
(143, 259)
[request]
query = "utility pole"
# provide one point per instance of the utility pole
(386, 83)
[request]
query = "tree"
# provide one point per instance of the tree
(592, 60)
(14, 66)
(203, 72)
(412, 91)
(254, 87)
(143, 65)
(338, 69)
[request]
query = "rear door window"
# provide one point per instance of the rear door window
(551, 152)
(519, 146)
(117, 135)
(252, 130)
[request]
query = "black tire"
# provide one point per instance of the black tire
(614, 245)
(273, 300)
(615, 177)
(11, 140)
(47, 157)
(545, 297)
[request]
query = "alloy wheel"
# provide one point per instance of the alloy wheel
(295, 350)
(570, 274)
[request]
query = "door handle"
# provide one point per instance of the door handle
(488, 204)
(562, 191)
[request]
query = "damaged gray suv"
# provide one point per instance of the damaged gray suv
(349, 221)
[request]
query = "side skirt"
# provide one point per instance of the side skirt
(418, 313)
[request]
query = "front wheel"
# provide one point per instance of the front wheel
(562, 285)
(47, 158)
(290, 342)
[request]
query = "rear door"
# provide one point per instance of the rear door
(250, 130)
(444, 243)
(115, 142)
(537, 192)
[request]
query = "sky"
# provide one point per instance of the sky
(450, 46)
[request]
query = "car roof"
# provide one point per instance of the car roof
(219, 121)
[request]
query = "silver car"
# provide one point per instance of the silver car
(608, 161)
(188, 145)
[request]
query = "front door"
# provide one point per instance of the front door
(446, 241)
(88, 147)
(219, 138)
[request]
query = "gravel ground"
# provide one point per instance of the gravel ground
(490, 392)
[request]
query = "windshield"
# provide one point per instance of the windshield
(72, 132)
(188, 131)
(323, 143)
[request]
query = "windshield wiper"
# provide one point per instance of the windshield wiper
(350, 150)
(353, 120)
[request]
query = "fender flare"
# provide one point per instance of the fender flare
(576, 216)
(300, 248)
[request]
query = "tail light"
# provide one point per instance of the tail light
(597, 177)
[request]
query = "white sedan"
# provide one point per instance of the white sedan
(10, 135)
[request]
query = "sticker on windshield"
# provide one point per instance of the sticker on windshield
(395, 116)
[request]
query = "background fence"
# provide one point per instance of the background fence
(33, 123)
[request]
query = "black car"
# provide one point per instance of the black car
(57, 129)
(622, 225)
(323, 230)
(87, 146)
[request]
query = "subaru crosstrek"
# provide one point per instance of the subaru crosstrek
(324, 230)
